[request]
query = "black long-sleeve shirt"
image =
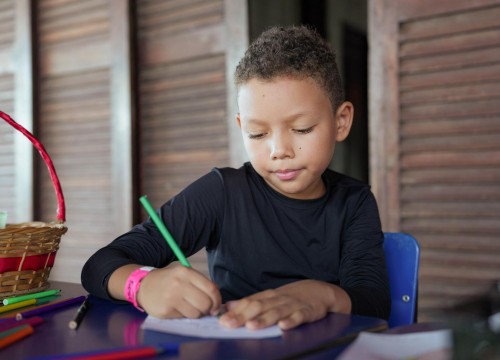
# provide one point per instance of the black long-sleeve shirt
(257, 238)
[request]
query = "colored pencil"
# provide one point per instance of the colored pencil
(14, 335)
(50, 307)
(37, 295)
(6, 333)
(80, 314)
(12, 322)
(130, 352)
(163, 230)
(32, 305)
(18, 305)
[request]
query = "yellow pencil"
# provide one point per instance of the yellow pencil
(18, 305)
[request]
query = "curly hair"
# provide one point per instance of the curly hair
(296, 51)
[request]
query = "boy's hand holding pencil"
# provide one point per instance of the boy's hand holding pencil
(163, 293)
(167, 289)
(170, 292)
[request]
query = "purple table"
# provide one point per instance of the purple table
(108, 325)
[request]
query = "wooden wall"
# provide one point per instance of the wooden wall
(128, 97)
(182, 86)
(74, 123)
(16, 70)
(436, 139)
(7, 163)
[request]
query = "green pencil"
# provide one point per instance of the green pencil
(37, 295)
(163, 230)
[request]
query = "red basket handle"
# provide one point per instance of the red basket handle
(61, 209)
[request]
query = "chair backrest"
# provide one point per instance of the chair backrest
(402, 254)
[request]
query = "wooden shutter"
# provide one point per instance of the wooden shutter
(16, 164)
(441, 136)
(182, 85)
(74, 124)
(7, 176)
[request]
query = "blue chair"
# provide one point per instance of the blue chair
(402, 254)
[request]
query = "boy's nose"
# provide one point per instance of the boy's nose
(280, 148)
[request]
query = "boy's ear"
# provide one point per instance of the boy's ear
(343, 119)
(238, 120)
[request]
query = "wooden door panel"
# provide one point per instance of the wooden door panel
(182, 86)
(442, 136)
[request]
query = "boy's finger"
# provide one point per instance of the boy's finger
(269, 318)
(196, 303)
(208, 288)
(265, 311)
(265, 299)
(240, 312)
(190, 311)
(213, 292)
(286, 315)
(295, 319)
(230, 305)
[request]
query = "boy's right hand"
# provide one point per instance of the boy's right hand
(178, 291)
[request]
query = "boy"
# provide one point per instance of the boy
(287, 239)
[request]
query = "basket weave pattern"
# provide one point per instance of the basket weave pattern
(27, 250)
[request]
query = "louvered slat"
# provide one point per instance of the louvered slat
(450, 151)
(6, 23)
(7, 133)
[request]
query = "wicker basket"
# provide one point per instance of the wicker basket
(28, 250)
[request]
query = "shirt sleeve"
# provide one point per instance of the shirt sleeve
(192, 217)
(363, 273)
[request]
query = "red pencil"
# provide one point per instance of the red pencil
(121, 354)
(15, 334)
(12, 323)
(130, 352)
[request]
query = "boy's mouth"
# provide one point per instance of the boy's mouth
(287, 174)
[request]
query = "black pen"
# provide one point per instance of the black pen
(80, 314)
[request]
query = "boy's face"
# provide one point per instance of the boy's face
(289, 131)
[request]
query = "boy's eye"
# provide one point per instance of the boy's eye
(304, 131)
(255, 136)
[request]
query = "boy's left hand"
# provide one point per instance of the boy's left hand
(288, 306)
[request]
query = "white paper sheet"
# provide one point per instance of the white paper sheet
(435, 345)
(207, 327)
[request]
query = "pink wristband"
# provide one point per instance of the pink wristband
(134, 283)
